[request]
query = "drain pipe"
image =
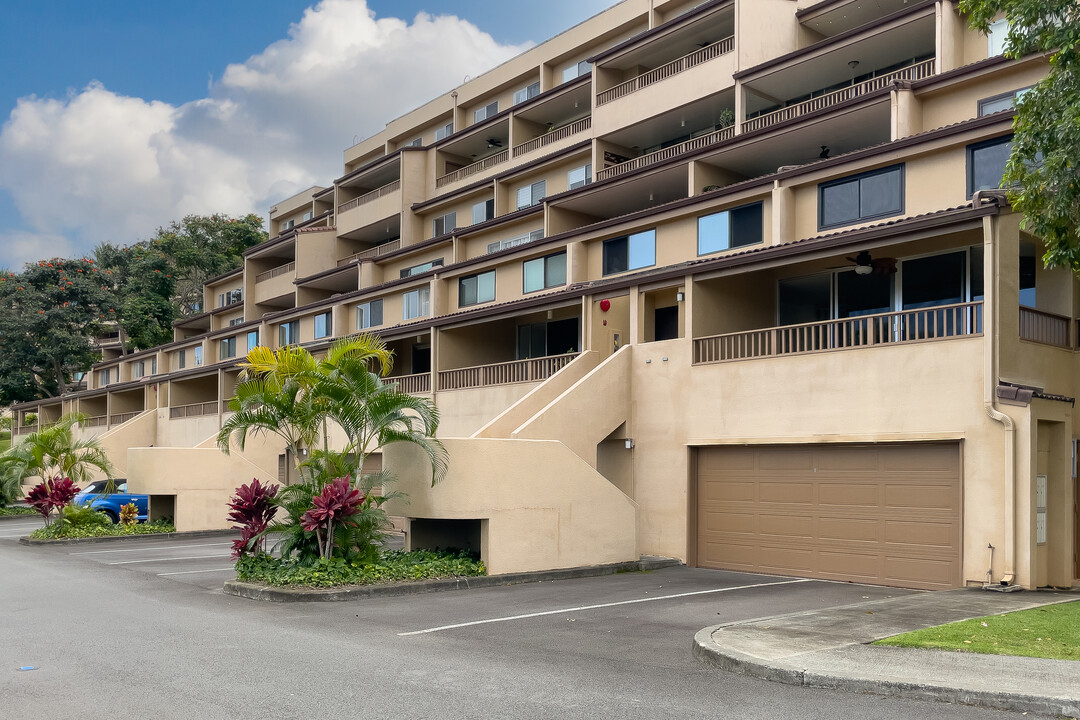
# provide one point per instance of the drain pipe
(990, 374)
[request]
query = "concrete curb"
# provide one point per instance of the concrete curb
(189, 535)
(708, 651)
(5, 518)
(267, 593)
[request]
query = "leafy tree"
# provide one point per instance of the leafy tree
(55, 452)
(48, 315)
(1046, 145)
(139, 280)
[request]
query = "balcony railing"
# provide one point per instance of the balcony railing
(918, 71)
(25, 429)
(942, 322)
(418, 384)
(555, 135)
(279, 270)
(665, 71)
(193, 410)
(121, 418)
(506, 373)
(1046, 328)
(488, 162)
(368, 197)
(377, 251)
(96, 421)
(667, 153)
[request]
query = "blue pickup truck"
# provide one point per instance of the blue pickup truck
(110, 504)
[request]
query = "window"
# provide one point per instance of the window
(544, 272)
(531, 194)
(629, 252)
(443, 225)
(995, 39)
(138, 369)
(104, 377)
(483, 210)
(415, 142)
(230, 297)
(324, 324)
(252, 340)
(871, 195)
(475, 289)
(998, 103)
(289, 333)
(526, 93)
(181, 359)
(485, 112)
(236, 321)
(416, 303)
(228, 348)
(288, 225)
(445, 131)
(198, 356)
(307, 216)
(729, 229)
(986, 163)
(369, 314)
(1028, 271)
(515, 241)
(153, 365)
(579, 177)
(422, 267)
(575, 70)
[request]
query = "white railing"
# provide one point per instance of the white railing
(368, 197)
(1045, 328)
(918, 71)
(480, 166)
(668, 153)
(377, 251)
(194, 410)
(942, 322)
(418, 384)
(553, 135)
(124, 417)
(506, 373)
(279, 270)
(665, 71)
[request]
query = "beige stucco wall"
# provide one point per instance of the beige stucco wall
(554, 511)
(463, 412)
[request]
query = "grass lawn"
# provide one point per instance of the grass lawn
(1051, 632)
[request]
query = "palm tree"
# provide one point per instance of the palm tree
(54, 452)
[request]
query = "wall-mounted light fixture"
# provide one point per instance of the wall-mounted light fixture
(629, 444)
(680, 296)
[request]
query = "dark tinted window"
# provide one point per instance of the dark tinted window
(864, 197)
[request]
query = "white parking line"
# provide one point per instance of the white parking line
(146, 560)
(192, 572)
(141, 549)
(603, 605)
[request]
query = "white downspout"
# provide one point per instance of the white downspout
(990, 374)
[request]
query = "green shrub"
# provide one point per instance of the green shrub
(393, 566)
(18, 510)
(61, 531)
(82, 516)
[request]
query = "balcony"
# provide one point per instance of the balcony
(121, 418)
(916, 71)
(931, 324)
(518, 371)
(371, 253)
(96, 421)
(194, 410)
(667, 153)
(371, 196)
(1045, 328)
(554, 136)
(665, 71)
(276, 272)
(375, 206)
(418, 384)
(477, 167)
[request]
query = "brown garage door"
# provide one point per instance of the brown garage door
(881, 514)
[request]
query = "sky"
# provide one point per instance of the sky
(118, 117)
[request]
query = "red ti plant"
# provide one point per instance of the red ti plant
(337, 502)
(51, 495)
(252, 509)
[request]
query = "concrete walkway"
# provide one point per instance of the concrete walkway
(827, 649)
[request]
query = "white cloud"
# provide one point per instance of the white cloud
(99, 166)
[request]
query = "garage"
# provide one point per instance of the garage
(884, 514)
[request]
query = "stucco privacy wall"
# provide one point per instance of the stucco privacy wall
(550, 511)
(139, 430)
(913, 392)
(201, 480)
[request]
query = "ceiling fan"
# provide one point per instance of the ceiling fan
(864, 264)
(494, 143)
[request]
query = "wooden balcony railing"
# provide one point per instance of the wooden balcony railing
(1046, 328)
(480, 166)
(418, 384)
(506, 373)
(96, 421)
(121, 418)
(665, 71)
(193, 410)
(374, 252)
(942, 322)
(667, 153)
(275, 272)
(368, 197)
(554, 136)
(25, 429)
(917, 71)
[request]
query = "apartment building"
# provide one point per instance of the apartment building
(727, 281)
